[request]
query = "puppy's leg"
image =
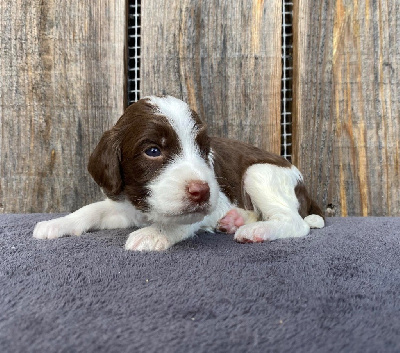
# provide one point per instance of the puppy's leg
(271, 189)
(105, 214)
(159, 237)
(236, 218)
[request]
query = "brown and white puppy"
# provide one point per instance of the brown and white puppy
(161, 172)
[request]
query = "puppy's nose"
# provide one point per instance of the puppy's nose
(198, 191)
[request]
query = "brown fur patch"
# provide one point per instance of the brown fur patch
(123, 170)
(307, 206)
(119, 163)
(232, 158)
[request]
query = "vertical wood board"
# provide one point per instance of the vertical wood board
(223, 58)
(346, 103)
(61, 84)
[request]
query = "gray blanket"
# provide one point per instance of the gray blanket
(337, 290)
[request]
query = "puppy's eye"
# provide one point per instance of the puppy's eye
(153, 152)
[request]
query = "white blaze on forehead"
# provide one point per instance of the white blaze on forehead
(180, 117)
(175, 206)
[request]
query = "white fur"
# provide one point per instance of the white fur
(179, 116)
(315, 221)
(167, 198)
(271, 189)
(223, 206)
(105, 214)
(167, 222)
(167, 206)
(161, 236)
(149, 239)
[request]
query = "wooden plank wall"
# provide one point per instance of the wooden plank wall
(61, 85)
(223, 57)
(346, 99)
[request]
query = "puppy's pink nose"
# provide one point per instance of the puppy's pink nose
(198, 191)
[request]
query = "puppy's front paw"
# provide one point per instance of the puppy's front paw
(55, 228)
(147, 239)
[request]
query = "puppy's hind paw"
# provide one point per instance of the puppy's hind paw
(147, 239)
(315, 221)
(234, 219)
(231, 222)
(253, 233)
(259, 232)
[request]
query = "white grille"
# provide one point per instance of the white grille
(133, 60)
(287, 75)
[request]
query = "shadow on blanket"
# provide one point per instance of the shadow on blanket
(336, 290)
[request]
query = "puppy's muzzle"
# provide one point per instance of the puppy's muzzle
(198, 192)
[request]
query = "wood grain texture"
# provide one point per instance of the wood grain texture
(223, 57)
(61, 86)
(346, 99)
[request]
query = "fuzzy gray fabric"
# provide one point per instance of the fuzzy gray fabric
(336, 290)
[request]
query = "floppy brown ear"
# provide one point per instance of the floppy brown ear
(104, 165)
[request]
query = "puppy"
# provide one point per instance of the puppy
(161, 172)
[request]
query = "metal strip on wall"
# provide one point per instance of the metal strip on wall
(133, 52)
(287, 78)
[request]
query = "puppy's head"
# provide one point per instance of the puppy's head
(158, 157)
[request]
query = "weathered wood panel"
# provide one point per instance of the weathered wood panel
(346, 92)
(61, 86)
(223, 57)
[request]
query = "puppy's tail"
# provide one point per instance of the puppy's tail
(316, 217)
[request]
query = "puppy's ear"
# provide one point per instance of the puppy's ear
(104, 165)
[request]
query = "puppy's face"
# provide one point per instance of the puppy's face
(158, 157)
